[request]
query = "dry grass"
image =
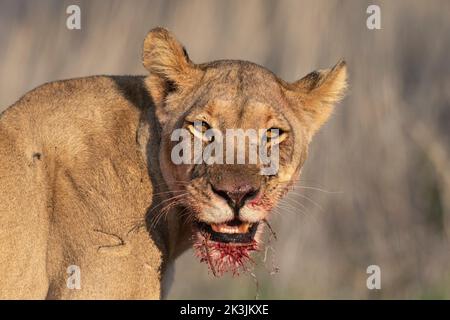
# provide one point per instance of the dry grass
(385, 152)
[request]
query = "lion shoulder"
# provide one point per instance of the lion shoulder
(67, 114)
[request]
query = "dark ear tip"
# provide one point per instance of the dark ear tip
(341, 64)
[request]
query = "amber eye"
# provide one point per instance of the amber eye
(203, 127)
(198, 129)
(275, 134)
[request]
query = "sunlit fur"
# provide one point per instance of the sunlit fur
(234, 95)
(86, 177)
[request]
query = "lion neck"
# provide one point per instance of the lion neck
(171, 234)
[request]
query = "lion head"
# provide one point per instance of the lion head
(228, 202)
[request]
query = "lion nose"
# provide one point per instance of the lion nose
(236, 196)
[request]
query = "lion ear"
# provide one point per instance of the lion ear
(318, 92)
(168, 63)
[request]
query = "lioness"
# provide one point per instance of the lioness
(89, 188)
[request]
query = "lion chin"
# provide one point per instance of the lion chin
(226, 247)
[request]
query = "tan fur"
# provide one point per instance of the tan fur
(85, 167)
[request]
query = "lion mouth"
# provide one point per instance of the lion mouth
(235, 231)
(226, 247)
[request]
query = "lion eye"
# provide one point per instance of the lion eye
(198, 129)
(203, 127)
(275, 134)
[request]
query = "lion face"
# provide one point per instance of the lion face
(234, 138)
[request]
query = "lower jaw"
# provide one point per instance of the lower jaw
(228, 238)
(225, 257)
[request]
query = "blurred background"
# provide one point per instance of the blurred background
(375, 189)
